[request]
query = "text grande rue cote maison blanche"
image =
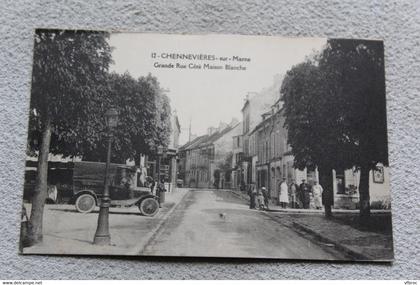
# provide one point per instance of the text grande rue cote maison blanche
(217, 63)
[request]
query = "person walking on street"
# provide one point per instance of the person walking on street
(293, 191)
(284, 194)
(265, 195)
(160, 188)
(299, 197)
(260, 198)
(242, 186)
(317, 194)
(151, 183)
(305, 190)
(252, 192)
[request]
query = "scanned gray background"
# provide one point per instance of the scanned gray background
(396, 22)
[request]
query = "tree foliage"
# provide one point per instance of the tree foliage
(335, 110)
(69, 69)
(71, 91)
(144, 118)
(68, 80)
(80, 93)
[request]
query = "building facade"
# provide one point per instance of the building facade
(237, 159)
(274, 162)
(255, 105)
(171, 165)
(205, 161)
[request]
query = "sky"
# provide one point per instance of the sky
(206, 97)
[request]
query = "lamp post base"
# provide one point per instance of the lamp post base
(102, 236)
(102, 240)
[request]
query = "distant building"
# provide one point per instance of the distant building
(168, 161)
(274, 161)
(172, 150)
(202, 160)
(237, 158)
(176, 131)
(255, 105)
(192, 157)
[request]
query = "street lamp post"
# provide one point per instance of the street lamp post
(159, 155)
(102, 236)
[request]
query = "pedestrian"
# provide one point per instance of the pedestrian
(242, 186)
(305, 190)
(328, 201)
(293, 191)
(284, 194)
(252, 193)
(299, 203)
(150, 183)
(260, 198)
(160, 188)
(265, 195)
(317, 191)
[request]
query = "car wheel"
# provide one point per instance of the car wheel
(149, 207)
(85, 203)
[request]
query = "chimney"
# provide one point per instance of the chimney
(222, 126)
(233, 122)
(211, 130)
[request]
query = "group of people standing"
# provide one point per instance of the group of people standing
(292, 195)
(258, 197)
(300, 196)
(156, 188)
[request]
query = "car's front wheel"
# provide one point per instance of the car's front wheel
(149, 207)
(85, 203)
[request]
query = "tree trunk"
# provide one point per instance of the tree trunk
(364, 193)
(326, 181)
(41, 185)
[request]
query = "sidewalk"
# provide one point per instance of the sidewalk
(352, 239)
(64, 233)
(343, 231)
(277, 208)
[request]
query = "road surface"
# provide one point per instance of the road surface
(217, 223)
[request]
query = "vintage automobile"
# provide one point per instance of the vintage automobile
(82, 183)
(60, 186)
(88, 186)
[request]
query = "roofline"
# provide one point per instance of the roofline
(177, 123)
(246, 103)
(264, 121)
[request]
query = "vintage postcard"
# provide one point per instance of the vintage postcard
(207, 146)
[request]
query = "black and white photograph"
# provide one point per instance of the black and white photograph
(207, 145)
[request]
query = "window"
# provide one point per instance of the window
(266, 150)
(311, 177)
(290, 173)
(284, 171)
(246, 124)
(378, 174)
(340, 182)
(237, 142)
(272, 146)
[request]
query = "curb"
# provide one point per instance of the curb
(310, 211)
(238, 195)
(315, 235)
(139, 248)
(354, 254)
(351, 253)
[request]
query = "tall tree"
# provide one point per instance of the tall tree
(313, 139)
(336, 113)
(69, 69)
(144, 118)
(162, 116)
